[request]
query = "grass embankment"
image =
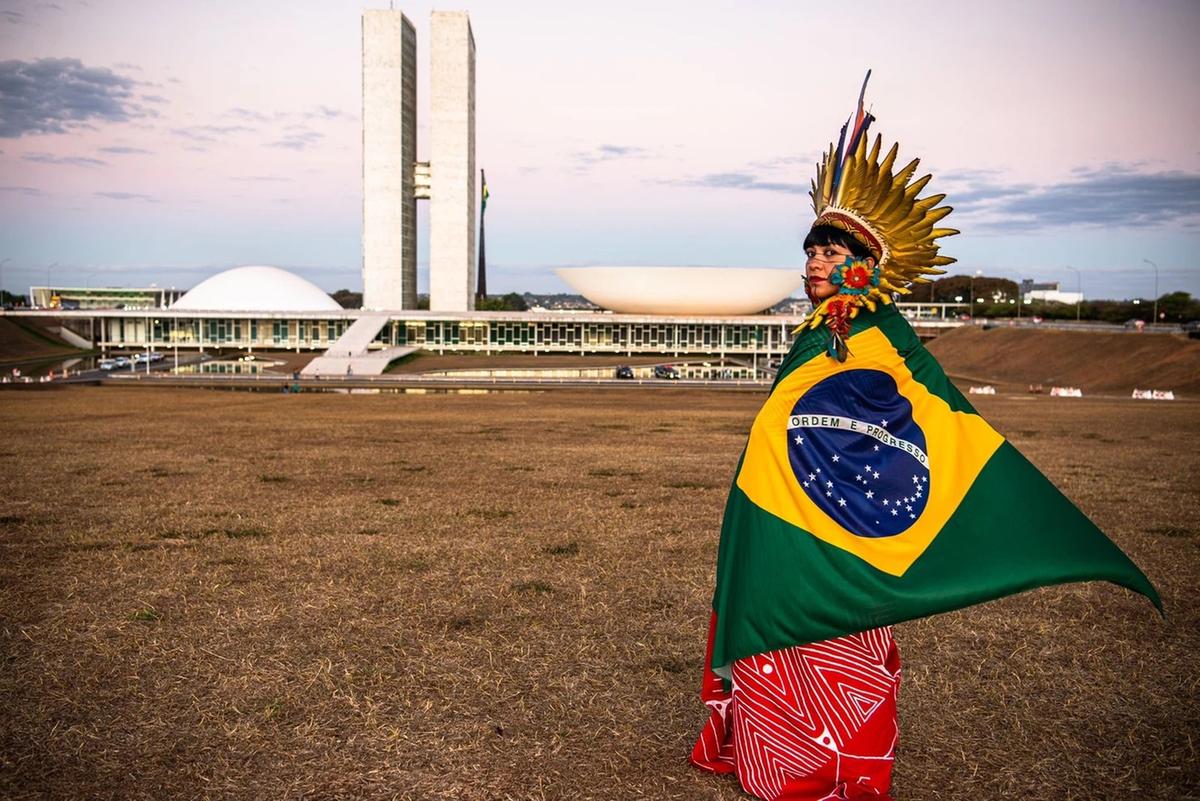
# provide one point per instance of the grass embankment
(22, 343)
(506, 596)
(1013, 358)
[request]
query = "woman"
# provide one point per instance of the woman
(870, 492)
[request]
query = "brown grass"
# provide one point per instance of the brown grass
(524, 615)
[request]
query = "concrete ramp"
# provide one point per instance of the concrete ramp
(350, 355)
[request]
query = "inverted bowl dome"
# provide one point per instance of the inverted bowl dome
(256, 288)
(683, 290)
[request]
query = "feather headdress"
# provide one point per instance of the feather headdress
(860, 194)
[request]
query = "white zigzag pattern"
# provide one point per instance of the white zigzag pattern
(794, 710)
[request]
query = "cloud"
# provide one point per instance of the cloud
(586, 159)
(121, 150)
(1115, 195)
(326, 113)
(54, 95)
(127, 196)
(239, 113)
(805, 161)
(210, 133)
(13, 17)
(74, 161)
(738, 180)
(264, 178)
(297, 141)
(318, 112)
(28, 191)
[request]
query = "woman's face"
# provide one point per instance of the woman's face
(822, 261)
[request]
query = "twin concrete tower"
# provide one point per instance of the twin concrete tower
(393, 179)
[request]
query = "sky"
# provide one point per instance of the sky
(157, 143)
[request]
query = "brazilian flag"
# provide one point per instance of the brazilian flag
(872, 492)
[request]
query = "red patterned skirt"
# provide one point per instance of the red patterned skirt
(809, 723)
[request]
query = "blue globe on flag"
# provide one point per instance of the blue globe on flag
(859, 455)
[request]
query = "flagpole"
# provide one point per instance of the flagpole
(481, 272)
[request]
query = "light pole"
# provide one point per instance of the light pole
(1155, 266)
(49, 292)
(1079, 279)
(2, 263)
(974, 275)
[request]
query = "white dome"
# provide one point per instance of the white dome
(683, 290)
(256, 288)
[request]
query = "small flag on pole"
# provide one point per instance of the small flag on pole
(481, 273)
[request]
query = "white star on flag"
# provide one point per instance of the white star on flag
(836, 457)
(841, 501)
(799, 440)
(870, 494)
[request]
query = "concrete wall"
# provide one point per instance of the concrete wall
(452, 163)
(389, 130)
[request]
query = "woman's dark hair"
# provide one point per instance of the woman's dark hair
(829, 235)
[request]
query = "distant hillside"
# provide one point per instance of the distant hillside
(1096, 362)
(21, 341)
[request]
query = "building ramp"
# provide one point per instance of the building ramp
(351, 354)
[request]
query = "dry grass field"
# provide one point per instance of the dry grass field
(213, 594)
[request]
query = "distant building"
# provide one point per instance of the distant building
(393, 180)
(1047, 291)
(100, 297)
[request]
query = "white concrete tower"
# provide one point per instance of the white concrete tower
(452, 163)
(389, 131)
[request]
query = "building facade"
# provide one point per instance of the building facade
(393, 180)
(389, 142)
(452, 200)
(758, 336)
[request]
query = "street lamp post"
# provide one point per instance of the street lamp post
(49, 293)
(1079, 289)
(1155, 266)
(973, 277)
(2, 263)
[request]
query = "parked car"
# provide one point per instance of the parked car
(121, 361)
(624, 372)
(107, 364)
(666, 371)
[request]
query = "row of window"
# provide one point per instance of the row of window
(445, 333)
(284, 333)
(549, 335)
